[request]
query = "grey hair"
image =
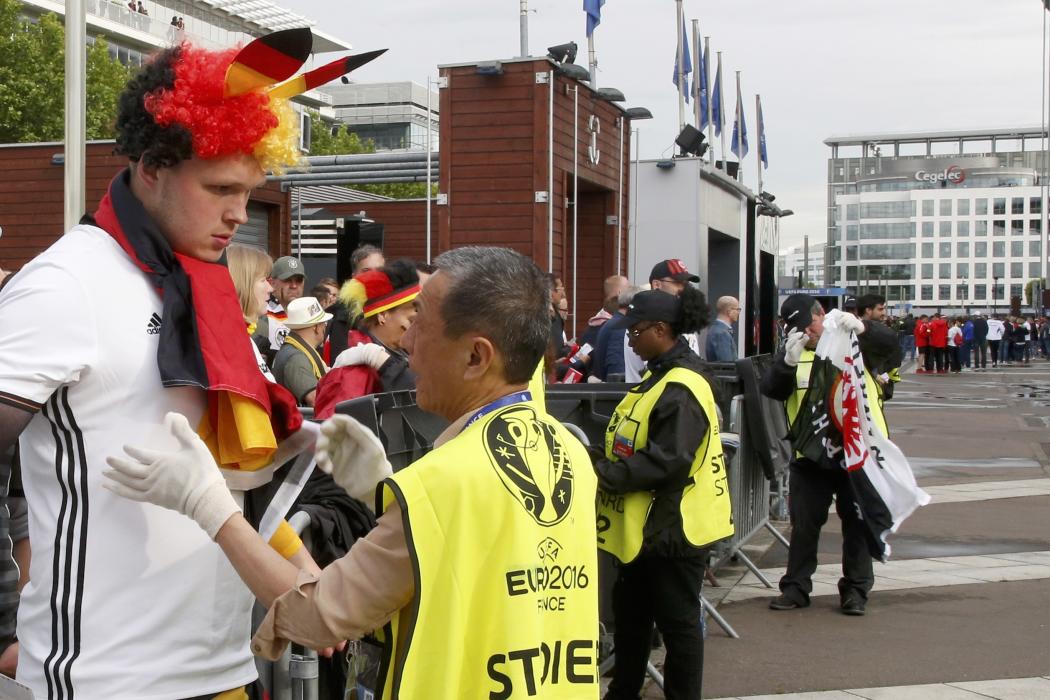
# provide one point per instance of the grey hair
(627, 296)
(361, 252)
(503, 295)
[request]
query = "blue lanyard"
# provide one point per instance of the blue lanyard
(508, 400)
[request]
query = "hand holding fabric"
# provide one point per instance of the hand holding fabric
(369, 354)
(793, 347)
(850, 322)
(187, 480)
(353, 455)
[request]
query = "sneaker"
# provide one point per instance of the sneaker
(853, 605)
(920, 371)
(783, 602)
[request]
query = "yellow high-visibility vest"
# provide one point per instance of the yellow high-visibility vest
(706, 511)
(802, 378)
(500, 527)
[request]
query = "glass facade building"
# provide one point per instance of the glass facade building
(950, 221)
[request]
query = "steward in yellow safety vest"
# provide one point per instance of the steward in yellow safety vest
(481, 574)
(812, 486)
(663, 495)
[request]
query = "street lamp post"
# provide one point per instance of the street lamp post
(995, 296)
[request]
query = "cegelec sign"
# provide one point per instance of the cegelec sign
(953, 175)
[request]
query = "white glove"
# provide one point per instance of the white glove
(353, 455)
(187, 480)
(851, 323)
(793, 347)
(365, 354)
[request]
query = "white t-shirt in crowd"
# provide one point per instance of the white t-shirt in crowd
(952, 332)
(995, 329)
(145, 605)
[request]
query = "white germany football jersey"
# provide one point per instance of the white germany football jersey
(125, 600)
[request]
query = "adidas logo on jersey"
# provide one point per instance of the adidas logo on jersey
(153, 327)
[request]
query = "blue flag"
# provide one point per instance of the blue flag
(593, 8)
(687, 64)
(717, 115)
(739, 142)
(762, 135)
(705, 63)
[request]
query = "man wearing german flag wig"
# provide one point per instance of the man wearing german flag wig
(129, 600)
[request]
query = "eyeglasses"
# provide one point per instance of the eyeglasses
(638, 330)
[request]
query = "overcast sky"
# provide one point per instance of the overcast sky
(823, 67)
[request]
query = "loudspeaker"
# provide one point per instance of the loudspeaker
(691, 141)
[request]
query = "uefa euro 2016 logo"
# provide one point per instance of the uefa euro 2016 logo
(531, 462)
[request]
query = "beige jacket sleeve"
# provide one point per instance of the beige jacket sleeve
(352, 597)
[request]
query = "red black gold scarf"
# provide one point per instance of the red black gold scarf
(199, 337)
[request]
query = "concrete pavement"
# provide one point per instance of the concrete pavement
(963, 608)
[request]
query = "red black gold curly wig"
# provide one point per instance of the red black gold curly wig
(252, 123)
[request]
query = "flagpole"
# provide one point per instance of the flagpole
(710, 97)
(721, 113)
(739, 132)
(679, 25)
(759, 131)
(593, 60)
(697, 57)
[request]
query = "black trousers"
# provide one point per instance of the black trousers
(980, 348)
(666, 591)
(993, 346)
(811, 492)
(953, 358)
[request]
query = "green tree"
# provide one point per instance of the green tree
(326, 141)
(32, 61)
(32, 70)
(106, 78)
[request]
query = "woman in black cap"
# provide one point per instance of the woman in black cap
(663, 496)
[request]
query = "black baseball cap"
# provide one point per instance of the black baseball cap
(673, 269)
(650, 305)
(849, 303)
(797, 311)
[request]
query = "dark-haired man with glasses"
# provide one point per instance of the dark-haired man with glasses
(669, 276)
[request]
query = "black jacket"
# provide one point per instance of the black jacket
(778, 383)
(677, 426)
(980, 330)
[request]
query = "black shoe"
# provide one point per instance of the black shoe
(853, 604)
(783, 602)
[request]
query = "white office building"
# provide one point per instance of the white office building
(949, 221)
(792, 261)
(393, 116)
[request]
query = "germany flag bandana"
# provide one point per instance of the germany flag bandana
(202, 324)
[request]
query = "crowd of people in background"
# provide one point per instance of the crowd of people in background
(943, 344)
(359, 325)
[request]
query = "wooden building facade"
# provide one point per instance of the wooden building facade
(31, 196)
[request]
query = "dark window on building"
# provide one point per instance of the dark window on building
(980, 249)
(927, 207)
(944, 270)
(980, 206)
(998, 227)
(1016, 249)
(1017, 270)
(962, 207)
(980, 270)
(946, 207)
(962, 229)
(944, 292)
(980, 228)
(980, 292)
(999, 206)
(999, 249)
(1017, 227)
(927, 292)
(962, 250)
(944, 228)
(999, 270)
(1017, 205)
(927, 250)
(927, 229)
(927, 271)
(944, 250)
(1035, 205)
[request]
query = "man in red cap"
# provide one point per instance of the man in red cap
(669, 276)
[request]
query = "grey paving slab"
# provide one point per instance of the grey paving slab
(1009, 689)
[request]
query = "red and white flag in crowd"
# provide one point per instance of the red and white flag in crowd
(883, 483)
